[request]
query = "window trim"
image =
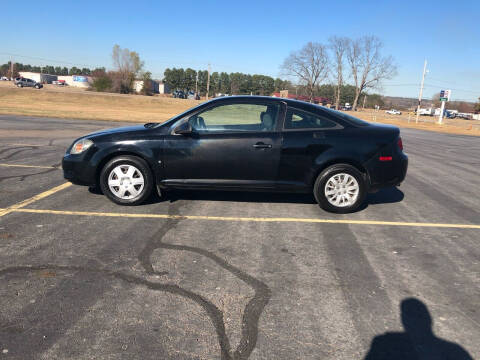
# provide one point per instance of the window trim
(278, 128)
(284, 129)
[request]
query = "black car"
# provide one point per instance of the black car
(243, 143)
(179, 94)
(24, 82)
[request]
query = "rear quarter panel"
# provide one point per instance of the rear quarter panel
(306, 153)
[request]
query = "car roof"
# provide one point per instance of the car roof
(290, 102)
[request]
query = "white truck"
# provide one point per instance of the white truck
(427, 112)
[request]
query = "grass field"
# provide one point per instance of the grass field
(81, 104)
(74, 103)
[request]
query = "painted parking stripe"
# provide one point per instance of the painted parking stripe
(21, 204)
(246, 219)
(30, 166)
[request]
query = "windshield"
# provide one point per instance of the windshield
(178, 116)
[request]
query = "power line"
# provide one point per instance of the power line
(464, 90)
(44, 59)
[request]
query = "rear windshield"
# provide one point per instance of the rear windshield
(349, 118)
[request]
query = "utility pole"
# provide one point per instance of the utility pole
(421, 90)
(11, 68)
(208, 81)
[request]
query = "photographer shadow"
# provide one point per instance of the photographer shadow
(417, 342)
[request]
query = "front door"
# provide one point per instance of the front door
(232, 144)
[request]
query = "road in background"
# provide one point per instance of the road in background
(78, 282)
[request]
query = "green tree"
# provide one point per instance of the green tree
(374, 99)
(48, 69)
(224, 83)
(74, 71)
(102, 82)
(202, 82)
(147, 88)
(189, 78)
(175, 78)
(214, 84)
(477, 106)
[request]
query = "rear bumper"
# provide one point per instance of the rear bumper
(387, 174)
(78, 171)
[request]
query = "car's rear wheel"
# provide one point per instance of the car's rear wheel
(127, 180)
(340, 188)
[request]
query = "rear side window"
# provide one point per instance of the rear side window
(298, 119)
(236, 117)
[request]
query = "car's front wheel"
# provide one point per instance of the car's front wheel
(127, 180)
(19, 85)
(340, 188)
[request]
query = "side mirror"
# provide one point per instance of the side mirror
(184, 129)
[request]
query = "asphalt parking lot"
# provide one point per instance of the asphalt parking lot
(205, 275)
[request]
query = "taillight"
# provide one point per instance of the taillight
(400, 143)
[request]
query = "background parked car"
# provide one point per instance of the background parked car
(179, 94)
(4, 78)
(393, 112)
(23, 82)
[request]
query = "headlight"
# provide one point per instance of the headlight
(80, 146)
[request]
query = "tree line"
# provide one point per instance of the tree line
(5, 69)
(221, 82)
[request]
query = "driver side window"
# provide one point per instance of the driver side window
(236, 118)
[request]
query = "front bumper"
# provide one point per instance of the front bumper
(78, 171)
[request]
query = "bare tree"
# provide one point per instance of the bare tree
(309, 65)
(367, 65)
(339, 46)
(128, 66)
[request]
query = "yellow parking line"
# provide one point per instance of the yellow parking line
(21, 204)
(30, 166)
(17, 144)
(247, 219)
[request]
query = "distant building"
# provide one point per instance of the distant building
(158, 87)
(81, 81)
(38, 77)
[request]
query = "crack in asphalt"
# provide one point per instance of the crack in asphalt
(25, 176)
(251, 313)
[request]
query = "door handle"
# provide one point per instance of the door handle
(261, 145)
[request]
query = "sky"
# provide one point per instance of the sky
(250, 36)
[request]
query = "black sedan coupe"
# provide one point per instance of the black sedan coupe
(243, 143)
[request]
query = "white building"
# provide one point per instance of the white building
(158, 87)
(38, 77)
(81, 81)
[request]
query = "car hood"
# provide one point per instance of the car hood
(119, 130)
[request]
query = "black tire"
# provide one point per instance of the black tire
(37, 87)
(325, 175)
(19, 85)
(141, 166)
